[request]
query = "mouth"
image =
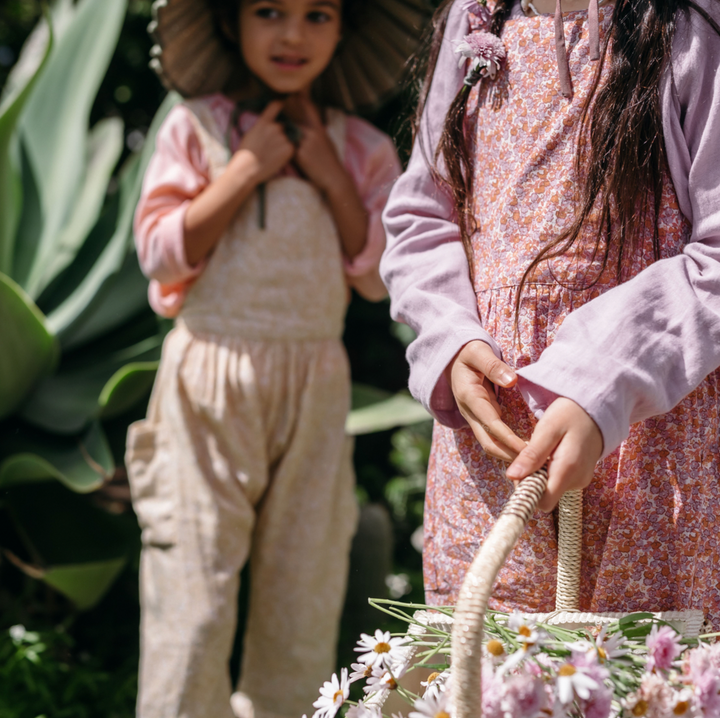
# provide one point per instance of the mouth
(289, 62)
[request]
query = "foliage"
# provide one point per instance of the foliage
(79, 346)
(42, 674)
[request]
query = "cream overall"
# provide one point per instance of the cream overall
(243, 457)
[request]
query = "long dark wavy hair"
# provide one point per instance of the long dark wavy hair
(621, 154)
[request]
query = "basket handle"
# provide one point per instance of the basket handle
(472, 602)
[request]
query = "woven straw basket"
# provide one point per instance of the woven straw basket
(468, 620)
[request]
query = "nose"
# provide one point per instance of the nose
(294, 31)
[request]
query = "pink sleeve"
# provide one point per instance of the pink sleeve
(372, 162)
(424, 266)
(175, 175)
(639, 349)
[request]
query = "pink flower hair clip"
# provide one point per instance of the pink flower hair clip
(486, 53)
(480, 10)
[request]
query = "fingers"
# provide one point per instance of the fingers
(566, 438)
(312, 115)
(270, 113)
(480, 355)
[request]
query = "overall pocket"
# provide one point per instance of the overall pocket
(151, 484)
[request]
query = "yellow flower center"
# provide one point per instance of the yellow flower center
(681, 708)
(368, 672)
(639, 709)
(567, 670)
(338, 694)
(602, 654)
(391, 683)
(495, 648)
(442, 714)
(382, 647)
(432, 677)
(524, 631)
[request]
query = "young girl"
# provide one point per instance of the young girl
(573, 157)
(251, 228)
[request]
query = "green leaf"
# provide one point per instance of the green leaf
(80, 465)
(27, 352)
(97, 281)
(86, 583)
(66, 402)
(382, 414)
(105, 145)
(10, 185)
(55, 120)
(126, 387)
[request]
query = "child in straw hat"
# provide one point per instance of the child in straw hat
(253, 223)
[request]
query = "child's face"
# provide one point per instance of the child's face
(288, 43)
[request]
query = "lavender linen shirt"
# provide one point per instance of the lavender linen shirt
(633, 352)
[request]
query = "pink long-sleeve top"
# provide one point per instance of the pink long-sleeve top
(632, 352)
(179, 171)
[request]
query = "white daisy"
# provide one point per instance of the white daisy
(380, 649)
(382, 679)
(359, 672)
(436, 684)
(363, 711)
(432, 707)
(332, 695)
(530, 637)
(574, 680)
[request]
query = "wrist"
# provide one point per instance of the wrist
(245, 169)
(336, 184)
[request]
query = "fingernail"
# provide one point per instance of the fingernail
(516, 471)
(506, 377)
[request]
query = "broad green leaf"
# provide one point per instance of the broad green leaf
(105, 145)
(96, 282)
(55, 120)
(365, 395)
(34, 48)
(66, 402)
(65, 532)
(86, 583)
(10, 184)
(398, 410)
(80, 465)
(27, 350)
(126, 387)
(123, 297)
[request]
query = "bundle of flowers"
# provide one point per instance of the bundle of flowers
(632, 667)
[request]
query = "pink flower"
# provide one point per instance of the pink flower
(492, 692)
(707, 693)
(524, 697)
(599, 703)
(479, 9)
(663, 648)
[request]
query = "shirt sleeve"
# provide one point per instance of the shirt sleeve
(639, 349)
(372, 162)
(176, 174)
(424, 265)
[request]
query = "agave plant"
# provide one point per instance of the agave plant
(78, 345)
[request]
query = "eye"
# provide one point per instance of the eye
(267, 13)
(318, 17)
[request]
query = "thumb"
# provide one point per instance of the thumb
(312, 115)
(494, 369)
(269, 114)
(536, 453)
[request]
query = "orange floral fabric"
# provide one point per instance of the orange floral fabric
(649, 536)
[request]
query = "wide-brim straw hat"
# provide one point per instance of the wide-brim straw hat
(193, 58)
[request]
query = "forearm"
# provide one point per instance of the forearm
(210, 213)
(350, 216)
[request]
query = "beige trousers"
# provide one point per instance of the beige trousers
(242, 457)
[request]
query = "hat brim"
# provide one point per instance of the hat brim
(191, 57)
